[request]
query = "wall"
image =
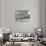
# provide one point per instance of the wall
(36, 15)
(1, 14)
(44, 18)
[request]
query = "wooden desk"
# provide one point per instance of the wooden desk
(24, 43)
(21, 39)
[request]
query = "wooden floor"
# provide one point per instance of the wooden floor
(18, 45)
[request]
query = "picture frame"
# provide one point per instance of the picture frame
(22, 15)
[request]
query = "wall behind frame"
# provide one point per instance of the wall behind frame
(36, 15)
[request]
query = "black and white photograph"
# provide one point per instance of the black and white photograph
(22, 22)
(22, 15)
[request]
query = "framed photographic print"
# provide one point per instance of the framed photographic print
(22, 15)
